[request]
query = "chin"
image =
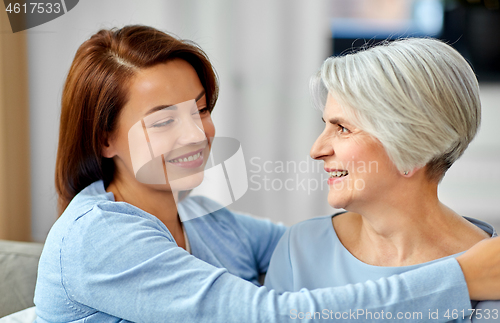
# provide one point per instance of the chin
(187, 182)
(336, 201)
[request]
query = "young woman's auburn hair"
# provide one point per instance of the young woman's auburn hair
(96, 90)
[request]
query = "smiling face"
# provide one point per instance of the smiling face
(360, 170)
(165, 129)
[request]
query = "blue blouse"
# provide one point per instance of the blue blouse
(107, 261)
(310, 255)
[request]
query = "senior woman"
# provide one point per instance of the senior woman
(136, 130)
(397, 116)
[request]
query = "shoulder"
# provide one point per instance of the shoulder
(87, 198)
(488, 228)
(307, 235)
(93, 205)
(310, 237)
(96, 234)
(311, 227)
(112, 233)
(110, 218)
(109, 237)
(298, 248)
(93, 218)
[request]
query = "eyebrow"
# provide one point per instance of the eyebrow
(335, 121)
(172, 106)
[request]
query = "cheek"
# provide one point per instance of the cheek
(123, 144)
(351, 153)
(162, 142)
(378, 162)
(208, 127)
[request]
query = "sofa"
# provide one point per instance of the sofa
(18, 271)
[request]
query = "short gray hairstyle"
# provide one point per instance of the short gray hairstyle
(418, 96)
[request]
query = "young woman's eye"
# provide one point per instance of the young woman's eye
(203, 111)
(162, 123)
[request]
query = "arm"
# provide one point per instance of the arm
(126, 266)
(481, 268)
(479, 278)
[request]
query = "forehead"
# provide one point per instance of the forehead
(164, 84)
(175, 79)
(332, 107)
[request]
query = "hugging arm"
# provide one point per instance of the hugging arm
(437, 288)
(116, 275)
(481, 268)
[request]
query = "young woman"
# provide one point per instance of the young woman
(135, 131)
(397, 116)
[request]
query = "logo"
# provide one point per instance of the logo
(25, 15)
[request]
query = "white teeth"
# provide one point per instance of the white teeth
(190, 158)
(339, 174)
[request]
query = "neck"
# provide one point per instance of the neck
(408, 226)
(401, 213)
(160, 203)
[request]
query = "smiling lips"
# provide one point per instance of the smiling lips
(336, 172)
(190, 160)
(336, 175)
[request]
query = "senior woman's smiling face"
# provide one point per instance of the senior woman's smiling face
(359, 167)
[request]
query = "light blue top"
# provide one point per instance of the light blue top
(107, 261)
(310, 255)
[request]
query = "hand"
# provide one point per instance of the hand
(481, 268)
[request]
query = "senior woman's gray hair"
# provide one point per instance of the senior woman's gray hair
(418, 96)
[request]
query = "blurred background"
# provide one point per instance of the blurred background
(264, 52)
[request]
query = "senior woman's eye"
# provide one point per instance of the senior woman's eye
(343, 129)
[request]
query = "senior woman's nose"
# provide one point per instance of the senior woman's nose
(321, 148)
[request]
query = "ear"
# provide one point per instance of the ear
(108, 148)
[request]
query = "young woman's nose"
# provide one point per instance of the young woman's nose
(191, 130)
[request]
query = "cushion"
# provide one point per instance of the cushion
(25, 316)
(18, 271)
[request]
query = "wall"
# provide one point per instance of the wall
(471, 186)
(14, 135)
(264, 52)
